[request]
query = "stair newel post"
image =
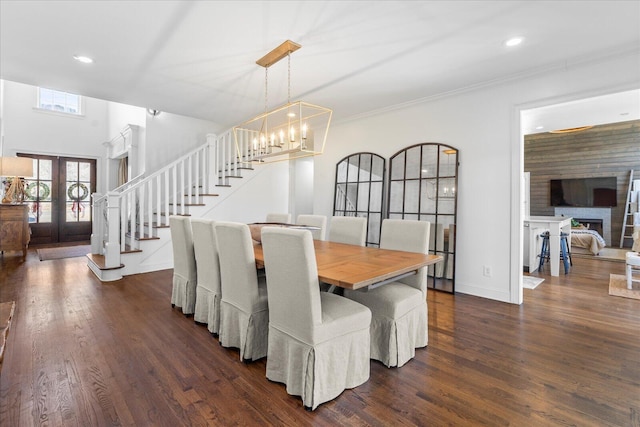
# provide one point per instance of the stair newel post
(112, 245)
(97, 232)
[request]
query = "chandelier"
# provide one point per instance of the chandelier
(293, 130)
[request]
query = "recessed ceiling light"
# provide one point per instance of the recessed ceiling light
(539, 127)
(514, 41)
(83, 59)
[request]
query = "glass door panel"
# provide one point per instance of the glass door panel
(77, 182)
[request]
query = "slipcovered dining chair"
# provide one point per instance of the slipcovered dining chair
(207, 309)
(183, 293)
(399, 309)
(244, 311)
(283, 218)
(348, 229)
(318, 342)
(319, 221)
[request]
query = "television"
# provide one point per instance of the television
(584, 192)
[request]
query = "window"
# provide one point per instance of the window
(63, 102)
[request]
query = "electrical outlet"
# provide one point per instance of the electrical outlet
(486, 271)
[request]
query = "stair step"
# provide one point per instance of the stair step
(223, 185)
(187, 204)
(154, 225)
(165, 214)
(232, 176)
(99, 261)
(203, 195)
(129, 250)
(144, 237)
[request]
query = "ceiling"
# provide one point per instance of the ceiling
(197, 58)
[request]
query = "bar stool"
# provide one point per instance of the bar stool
(565, 254)
(633, 266)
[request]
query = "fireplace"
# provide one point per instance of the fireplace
(599, 219)
(594, 224)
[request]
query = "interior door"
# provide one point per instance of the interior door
(59, 198)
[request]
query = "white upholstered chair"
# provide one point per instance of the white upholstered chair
(207, 309)
(244, 311)
(283, 218)
(348, 229)
(399, 309)
(319, 221)
(318, 342)
(183, 294)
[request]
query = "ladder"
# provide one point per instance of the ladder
(627, 221)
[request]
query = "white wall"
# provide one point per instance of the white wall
(266, 192)
(169, 136)
(30, 130)
(161, 140)
(484, 125)
(301, 178)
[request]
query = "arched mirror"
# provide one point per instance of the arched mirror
(423, 185)
(359, 191)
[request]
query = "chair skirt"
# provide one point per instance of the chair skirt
(318, 373)
(207, 309)
(399, 321)
(394, 341)
(183, 293)
(246, 331)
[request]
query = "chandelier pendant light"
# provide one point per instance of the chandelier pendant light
(293, 130)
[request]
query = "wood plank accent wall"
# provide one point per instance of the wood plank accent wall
(604, 150)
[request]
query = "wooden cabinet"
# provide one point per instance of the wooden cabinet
(14, 228)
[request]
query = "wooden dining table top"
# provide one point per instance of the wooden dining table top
(355, 267)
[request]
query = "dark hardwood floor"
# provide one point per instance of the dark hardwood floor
(85, 353)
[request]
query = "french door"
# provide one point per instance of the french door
(59, 198)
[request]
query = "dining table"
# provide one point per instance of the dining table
(355, 267)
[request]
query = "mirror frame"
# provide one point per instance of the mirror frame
(441, 276)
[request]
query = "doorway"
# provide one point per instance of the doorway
(59, 198)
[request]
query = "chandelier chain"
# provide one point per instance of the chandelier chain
(266, 86)
(289, 78)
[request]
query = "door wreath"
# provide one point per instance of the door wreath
(40, 194)
(77, 188)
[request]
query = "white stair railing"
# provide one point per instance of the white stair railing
(132, 211)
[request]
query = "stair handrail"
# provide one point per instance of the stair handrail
(121, 187)
(133, 211)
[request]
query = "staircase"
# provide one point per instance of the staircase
(131, 223)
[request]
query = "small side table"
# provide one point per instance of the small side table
(633, 266)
